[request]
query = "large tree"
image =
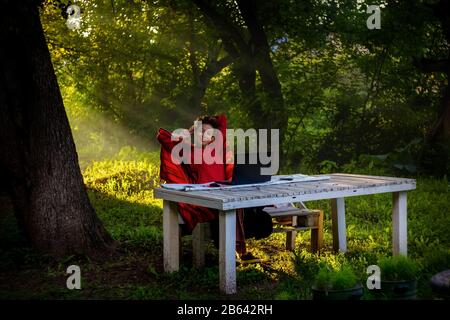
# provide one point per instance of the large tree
(242, 32)
(440, 130)
(38, 159)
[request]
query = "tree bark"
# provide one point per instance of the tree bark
(37, 152)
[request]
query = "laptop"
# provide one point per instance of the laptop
(247, 173)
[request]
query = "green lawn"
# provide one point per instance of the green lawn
(121, 192)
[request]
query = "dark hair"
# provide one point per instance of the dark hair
(211, 120)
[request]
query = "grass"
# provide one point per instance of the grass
(121, 190)
(340, 279)
(398, 268)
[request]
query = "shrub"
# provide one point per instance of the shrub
(398, 268)
(329, 279)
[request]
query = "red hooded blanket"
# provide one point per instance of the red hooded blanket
(171, 172)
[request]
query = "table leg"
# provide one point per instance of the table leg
(198, 245)
(338, 224)
(227, 251)
(399, 224)
(171, 234)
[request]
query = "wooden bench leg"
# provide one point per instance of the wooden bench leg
(338, 223)
(399, 222)
(317, 235)
(198, 245)
(291, 235)
(227, 251)
(171, 235)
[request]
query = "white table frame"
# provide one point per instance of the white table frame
(337, 188)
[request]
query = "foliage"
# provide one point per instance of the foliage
(398, 268)
(122, 178)
(135, 66)
(331, 279)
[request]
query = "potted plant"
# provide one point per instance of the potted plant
(336, 284)
(398, 278)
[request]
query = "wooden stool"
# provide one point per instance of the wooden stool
(291, 219)
(296, 219)
(200, 234)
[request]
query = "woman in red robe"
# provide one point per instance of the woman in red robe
(172, 172)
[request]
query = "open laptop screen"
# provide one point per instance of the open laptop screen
(246, 172)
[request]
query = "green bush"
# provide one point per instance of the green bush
(398, 268)
(331, 279)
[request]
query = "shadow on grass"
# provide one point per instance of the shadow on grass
(136, 272)
(25, 273)
(130, 222)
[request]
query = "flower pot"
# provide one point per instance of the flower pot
(354, 293)
(397, 290)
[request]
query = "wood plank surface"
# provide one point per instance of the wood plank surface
(339, 185)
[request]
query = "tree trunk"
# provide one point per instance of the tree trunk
(37, 152)
(276, 115)
(246, 73)
(198, 90)
(253, 56)
(201, 78)
(440, 130)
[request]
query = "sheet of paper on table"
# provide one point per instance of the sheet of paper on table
(280, 179)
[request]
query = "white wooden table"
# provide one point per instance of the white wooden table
(336, 188)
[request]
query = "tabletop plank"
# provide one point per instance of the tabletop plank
(366, 176)
(339, 185)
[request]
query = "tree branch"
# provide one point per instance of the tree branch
(227, 31)
(216, 66)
